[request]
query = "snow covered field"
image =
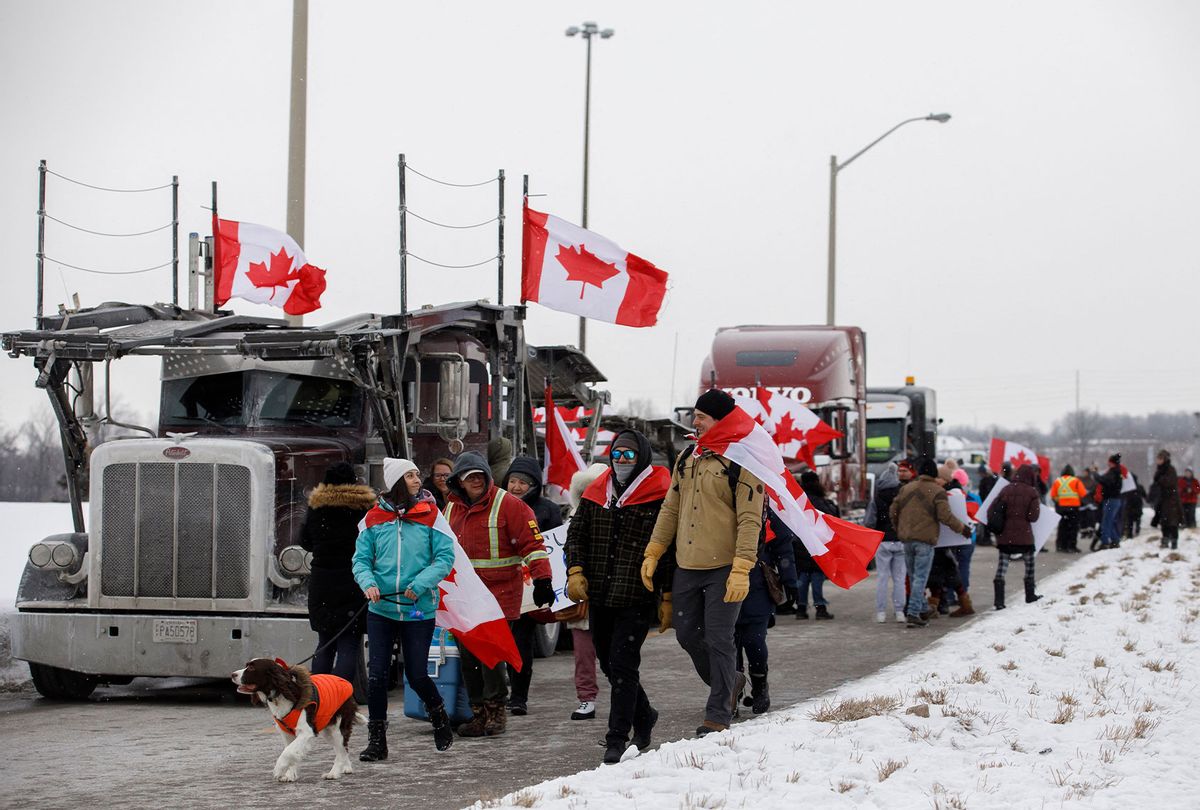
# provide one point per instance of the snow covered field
(1087, 698)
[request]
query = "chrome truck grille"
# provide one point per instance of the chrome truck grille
(176, 531)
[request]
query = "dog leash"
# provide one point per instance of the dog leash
(383, 597)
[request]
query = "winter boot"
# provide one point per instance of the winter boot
(932, 613)
(1030, 596)
(443, 737)
(823, 612)
(801, 611)
(376, 742)
(497, 718)
(641, 733)
(613, 752)
(477, 725)
(998, 587)
(759, 694)
(964, 606)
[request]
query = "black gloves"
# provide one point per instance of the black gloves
(543, 592)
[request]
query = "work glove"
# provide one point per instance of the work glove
(577, 584)
(738, 584)
(664, 613)
(650, 563)
(543, 592)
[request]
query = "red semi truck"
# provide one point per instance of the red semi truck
(823, 367)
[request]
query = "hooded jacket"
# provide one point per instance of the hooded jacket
(499, 533)
(1167, 507)
(330, 532)
(547, 513)
(918, 509)
(1022, 508)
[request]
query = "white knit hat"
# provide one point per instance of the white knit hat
(394, 469)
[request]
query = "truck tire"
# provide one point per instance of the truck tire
(545, 639)
(62, 684)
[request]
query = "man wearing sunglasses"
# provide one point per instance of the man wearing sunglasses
(606, 542)
(499, 533)
(712, 516)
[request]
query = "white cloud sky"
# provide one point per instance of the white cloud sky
(1049, 227)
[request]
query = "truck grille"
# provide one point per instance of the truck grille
(176, 530)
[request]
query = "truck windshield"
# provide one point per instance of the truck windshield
(246, 398)
(885, 439)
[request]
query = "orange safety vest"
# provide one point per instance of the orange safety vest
(1067, 491)
(332, 692)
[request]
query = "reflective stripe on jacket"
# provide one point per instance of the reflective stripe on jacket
(1068, 491)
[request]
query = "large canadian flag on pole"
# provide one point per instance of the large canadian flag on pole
(566, 268)
(842, 549)
(562, 456)
(466, 607)
(796, 429)
(265, 266)
(1002, 450)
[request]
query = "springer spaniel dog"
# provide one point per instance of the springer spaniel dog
(304, 707)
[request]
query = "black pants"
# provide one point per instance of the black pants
(523, 630)
(751, 640)
(618, 633)
(1189, 515)
(1068, 529)
(414, 636)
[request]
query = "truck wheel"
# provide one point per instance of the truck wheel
(61, 684)
(545, 639)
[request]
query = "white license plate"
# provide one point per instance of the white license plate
(175, 631)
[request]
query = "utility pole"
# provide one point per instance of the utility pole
(297, 130)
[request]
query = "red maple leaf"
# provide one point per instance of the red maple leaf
(585, 267)
(1019, 459)
(785, 431)
(277, 275)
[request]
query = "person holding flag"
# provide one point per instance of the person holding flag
(713, 516)
(400, 552)
(499, 533)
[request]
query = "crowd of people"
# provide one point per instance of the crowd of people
(648, 547)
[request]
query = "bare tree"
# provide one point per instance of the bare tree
(1080, 429)
(640, 407)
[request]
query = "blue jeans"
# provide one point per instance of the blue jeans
(817, 580)
(889, 574)
(415, 637)
(1110, 522)
(918, 557)
(963, 555)
(345, 648)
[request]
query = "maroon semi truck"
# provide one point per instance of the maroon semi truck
(822, 367)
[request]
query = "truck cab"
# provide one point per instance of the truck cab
(902, 422)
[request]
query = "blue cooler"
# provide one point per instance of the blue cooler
(445, 667)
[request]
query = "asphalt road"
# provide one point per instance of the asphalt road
(174, 743)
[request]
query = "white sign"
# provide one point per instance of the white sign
(554, 539)
(958, 507)
(1042, 528)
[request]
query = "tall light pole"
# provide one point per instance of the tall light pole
(587, 31)
(297, 130)
(834, 168)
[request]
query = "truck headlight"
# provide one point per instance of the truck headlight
(295, 560)
(54, 555)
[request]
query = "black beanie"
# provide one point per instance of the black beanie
(340, 473)
(716, 403)
(927, 466)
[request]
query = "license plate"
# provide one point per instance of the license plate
(175, 631)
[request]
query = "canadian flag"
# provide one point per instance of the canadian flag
(572, 270)
(796, 429)
(562, 456)
(842, 549)
(265, 266)
(1001, 451)
(466, 607)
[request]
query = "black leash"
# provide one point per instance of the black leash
(383, 597)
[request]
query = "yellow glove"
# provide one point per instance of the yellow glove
(664, 613)
(577, 584)
(650, 563)
(738, 584)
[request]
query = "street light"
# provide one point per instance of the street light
(834, 168)
(587, 31)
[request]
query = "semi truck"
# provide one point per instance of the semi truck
(822, 367)
(902, 422)
(188, 562)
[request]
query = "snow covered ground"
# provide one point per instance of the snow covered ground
(1087, 698)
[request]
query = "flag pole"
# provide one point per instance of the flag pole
(210, 293)
(524, 246)
(500, 252)
(403, 238)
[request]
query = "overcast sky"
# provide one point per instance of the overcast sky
(1051, 226)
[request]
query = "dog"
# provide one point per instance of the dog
(304, 707)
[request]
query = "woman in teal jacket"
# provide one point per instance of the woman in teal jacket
(398, 552)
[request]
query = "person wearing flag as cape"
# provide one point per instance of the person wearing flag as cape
(714, 524)
(605, 546)
(499, 533)
(400, 552)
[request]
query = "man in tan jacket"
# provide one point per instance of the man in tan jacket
(713, 515)
(916, 513)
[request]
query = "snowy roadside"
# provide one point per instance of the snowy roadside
(1086, 696)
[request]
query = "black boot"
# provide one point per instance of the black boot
(759, 695)
(613, 752)
(376, 742)
(801, 611)
(443, 737)
(641, 733)
(1030, 596)
(998, 587)
(823, 612)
